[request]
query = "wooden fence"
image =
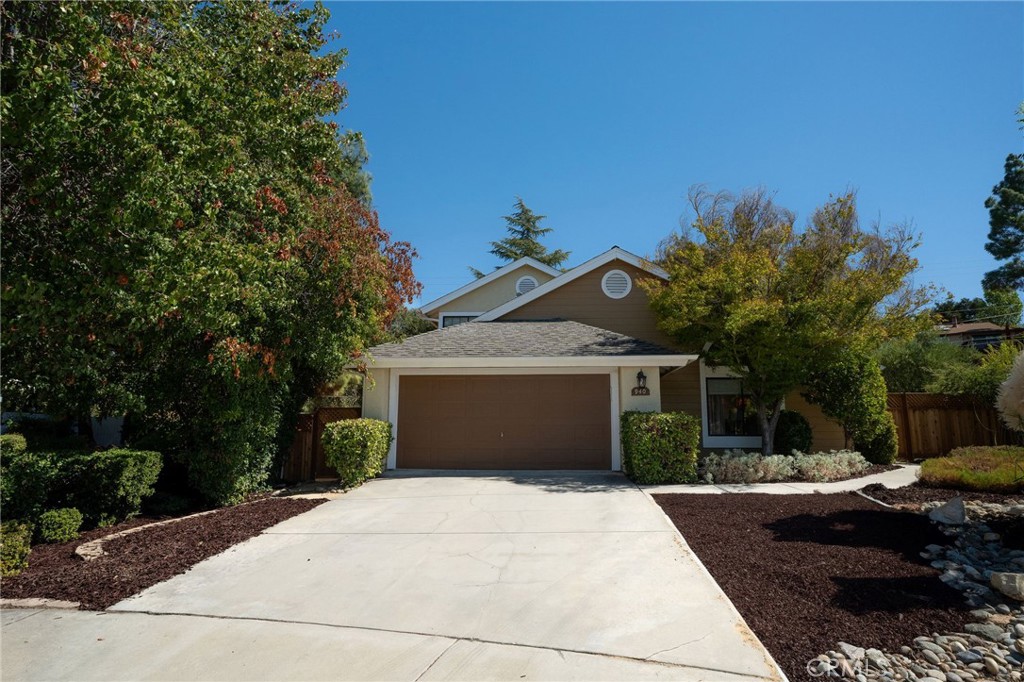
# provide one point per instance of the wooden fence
(306, 458)
(932, 424)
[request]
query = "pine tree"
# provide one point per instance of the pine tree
(524, 231)
(1006, 220)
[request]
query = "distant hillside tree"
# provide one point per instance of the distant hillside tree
(1006, 223)
(524, 232)
(1000, 306)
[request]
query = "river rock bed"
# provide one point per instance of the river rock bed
(977, 563)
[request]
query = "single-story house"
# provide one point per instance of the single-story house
(980, 335)
(530, 368)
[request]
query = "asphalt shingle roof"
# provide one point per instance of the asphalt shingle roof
(537, 338)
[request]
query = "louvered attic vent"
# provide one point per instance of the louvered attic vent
(616, 284)
(525, 285)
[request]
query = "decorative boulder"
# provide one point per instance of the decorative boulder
(953, 513)
(1010, 584)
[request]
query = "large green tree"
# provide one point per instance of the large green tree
(523, 240)
(999, 306)
(1006, 226)
(751, 293)
(187, 236)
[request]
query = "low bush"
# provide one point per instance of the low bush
(995, 469)
(59, 525)
(110, 484)
(660, 447)
(882, 446)
(736, 466)
(357, 448)
(793, 432)
(27, 481)
(15, 546)
(12, 444)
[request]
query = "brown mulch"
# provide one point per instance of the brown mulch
(917, 493)
(143, 559)
(808, 571)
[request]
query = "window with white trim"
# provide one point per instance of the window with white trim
(730, 411)
(616, 284)
(525, 285)
(452, 320)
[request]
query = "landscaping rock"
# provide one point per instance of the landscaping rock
(953, 513)
(1009, 584)
(986, 630)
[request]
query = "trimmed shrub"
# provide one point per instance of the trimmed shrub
(110, 484)
(59, 525)
(357, 448)
(993, 469)
(883, 446)
(15, 546)
(12, 444)
(737, 466)
(660, 447)
(27, 480)
(793, 432)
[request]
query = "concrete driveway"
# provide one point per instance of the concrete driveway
(427, 577)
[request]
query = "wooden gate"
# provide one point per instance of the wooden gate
(306, 460)
(932, 424)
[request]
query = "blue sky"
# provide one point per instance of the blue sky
(601, 116)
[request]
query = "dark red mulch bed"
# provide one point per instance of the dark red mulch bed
(917, 493)
(808, 571)
(137, 561)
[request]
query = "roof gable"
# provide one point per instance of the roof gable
(487, 279)
(612, 254)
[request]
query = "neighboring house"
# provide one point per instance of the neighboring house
(531, 367)
(980, 335)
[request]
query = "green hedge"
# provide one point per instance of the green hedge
(12, 444)
(357, 448)
(59, 525)
(793, 432)
(660, 447)
(110, 485)
(105, 486)
(15, 546)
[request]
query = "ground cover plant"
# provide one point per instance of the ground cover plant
(996, 469)
(808, 571)
(137, 561)
(737, 466)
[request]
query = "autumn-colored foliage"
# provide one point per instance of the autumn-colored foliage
(186, 237)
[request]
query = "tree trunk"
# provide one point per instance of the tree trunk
(768, 417)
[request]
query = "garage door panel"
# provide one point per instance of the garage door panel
(504, 422)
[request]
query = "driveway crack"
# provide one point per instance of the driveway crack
(439, 656)
(673, 648)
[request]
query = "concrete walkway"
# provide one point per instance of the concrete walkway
(897, 478)
(505, 576)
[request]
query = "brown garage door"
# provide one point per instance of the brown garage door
(547, 421)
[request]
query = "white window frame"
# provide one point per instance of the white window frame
(604, 284)
(529, 277)
(441, 316)
(714, 442)
(397, 374)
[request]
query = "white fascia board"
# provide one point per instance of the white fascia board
(615, 253)
(488, 278)
(569, 361)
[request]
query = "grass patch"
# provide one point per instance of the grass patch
(996, 469)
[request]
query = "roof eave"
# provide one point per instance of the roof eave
(673, 360)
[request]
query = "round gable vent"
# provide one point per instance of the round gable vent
(525, 285)
(616, 284)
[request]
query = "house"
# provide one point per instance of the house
(531, 367)
(980, 335)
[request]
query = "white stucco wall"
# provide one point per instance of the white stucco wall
(375, 394)
(637, 403)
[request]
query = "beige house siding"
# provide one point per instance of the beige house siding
(582, 300)
(490, 295)
(375, 394)
(680, 390)
(828, 435)
(639, 403)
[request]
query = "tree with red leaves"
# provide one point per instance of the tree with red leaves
(187, 236)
